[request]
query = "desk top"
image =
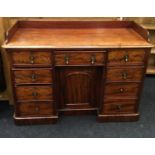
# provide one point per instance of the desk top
(76, 34)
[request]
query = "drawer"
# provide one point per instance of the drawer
(30, 76)
(119, 106)
(34, 93)
(121, 90)
(126, 57)
(31, 58)
(125, 74)
(79, 58)
(35, 108)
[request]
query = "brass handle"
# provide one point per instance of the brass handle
(33, 77)
(93, 59)
(34, 94)
(121, 90)
(124, 75)
(119, 107)
(66, 59)
(32, 58)
(126, 58)
(37, 109)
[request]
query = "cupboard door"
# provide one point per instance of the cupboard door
(79, 87)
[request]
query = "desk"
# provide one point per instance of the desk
(76, 67)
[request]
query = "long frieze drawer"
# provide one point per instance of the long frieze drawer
(126, 56)
(79, 58)
(34, 93)
(125, 74)
(122, 90)
(31, 76)
(35, 108)
(119, 106)
(31, 58)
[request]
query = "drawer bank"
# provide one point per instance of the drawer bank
(76, 67)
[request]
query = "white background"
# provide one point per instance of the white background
(78, 8)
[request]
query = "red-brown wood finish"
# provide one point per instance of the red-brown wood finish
(33, 76)
(78, 89)
(34, 93)
(79, 58)
(121, 90)
(77, 68)
(31, 58)
(126, 57)
(32, 109)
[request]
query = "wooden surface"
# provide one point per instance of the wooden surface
(79, 58)
(74, 38)
(78, 83)
(34, 93)
(6, 23)
(33, 76)
(149, 24)
(121, 90)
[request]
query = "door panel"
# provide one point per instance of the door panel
(79, 86)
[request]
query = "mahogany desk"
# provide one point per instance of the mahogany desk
(76, 67)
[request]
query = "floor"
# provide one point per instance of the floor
(86, 126)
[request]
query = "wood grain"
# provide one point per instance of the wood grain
(133, 57)
(34, 93)
(77, 89)
(76, 34)
(31, 58)
(33, 76)
(79, 58)
(121, 90)
(119, 106)
(35, 109)
(118, 74)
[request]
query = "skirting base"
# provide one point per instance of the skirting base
(35, 120)
(78, 111)
(118, 118)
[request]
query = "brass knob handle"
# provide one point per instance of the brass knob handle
(118, 107)
(121, 90)
(124, 75)
(93, 59)
(37, 108)
(66, 59)
(32, 58)
(126, 58)
(33, 77)
(35, 94)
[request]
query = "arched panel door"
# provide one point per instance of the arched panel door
(78, 86)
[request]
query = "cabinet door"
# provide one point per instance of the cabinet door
(79, 87)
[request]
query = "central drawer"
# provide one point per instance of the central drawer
(33, 76)
(79, 58)
(34, 93)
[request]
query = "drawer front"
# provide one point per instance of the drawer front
(121, 89)
(34, 93)
(43, 76)
(125, 74)
(32, 58)
(35, 108)
(122, 57)
(79, 58)
(119, 106)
